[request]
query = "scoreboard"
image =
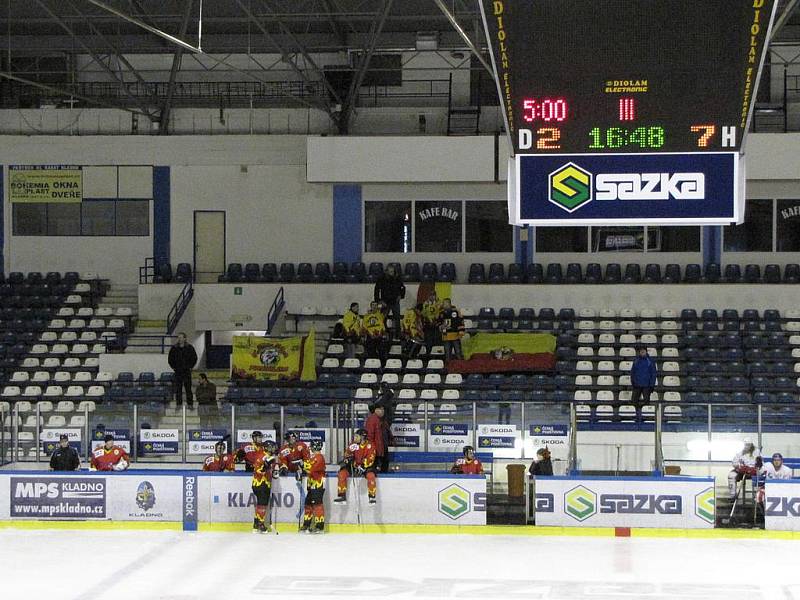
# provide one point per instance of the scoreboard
(645, 103)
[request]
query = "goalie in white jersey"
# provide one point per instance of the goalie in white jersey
(773, 470)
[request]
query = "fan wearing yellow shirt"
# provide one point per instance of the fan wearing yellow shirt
(431, 309)
(352, 329)
(375, 333)
(412, 331)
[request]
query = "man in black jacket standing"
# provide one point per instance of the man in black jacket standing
(64, 457)
(389, 289)
(182, 359)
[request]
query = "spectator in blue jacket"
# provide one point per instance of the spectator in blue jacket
(643, 377)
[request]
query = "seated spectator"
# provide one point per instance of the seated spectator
(541, 465)
(772, 470)
(376, 336)
(452, 327)
(745, 464)
(352, 330)
(206, 392)
(64, 457)
(412, 331)
(469, 465)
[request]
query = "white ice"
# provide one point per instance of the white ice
(168, 565)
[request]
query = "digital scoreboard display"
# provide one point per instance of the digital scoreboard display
(637, 76)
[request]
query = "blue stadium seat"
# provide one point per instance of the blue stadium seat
(340, 272)
(613, 273)
(713, 273)
(534, 273)
(374, 272)
(411, 272)
(772, 274)
(286, 272)
(652, 273)
(485, 324)
(305, 273)
(496, 273)
(672, 273)
(252, 273)
(546, 314)
(429, 272)
(566, 314)
(574, 273)
(506, 313)
(791, 273)
(594, 273)
(515, 274)
(358, 272)
(692, 274)
(183, 273)
(232, 275)
(486, 312)
(633, 273)
(772, 314)
(709, 314)
(527, 313)
(163, 273)
(322, 273)
(733, 274)
(752, 274)
(477, 273)
(269, 272)
(554, 274)
(447, 272)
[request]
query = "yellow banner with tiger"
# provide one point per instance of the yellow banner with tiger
(265, 358)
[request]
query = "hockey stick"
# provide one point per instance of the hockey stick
(302, 507)
(357, 486)
(272, 510)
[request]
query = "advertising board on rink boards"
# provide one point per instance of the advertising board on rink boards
(668, 502)
(439, 500)
(194, 497)
(782, 505)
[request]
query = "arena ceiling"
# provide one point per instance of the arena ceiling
(40, 38)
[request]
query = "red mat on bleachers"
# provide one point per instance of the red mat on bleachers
(519, 363)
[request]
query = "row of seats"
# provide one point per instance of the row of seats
(594, 274)
(47, 406)
(631, 314)
(356, 272)
(70, 278)
(552, 273)
(32, 392)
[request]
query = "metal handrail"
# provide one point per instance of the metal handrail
(179, 307)
(275, 310)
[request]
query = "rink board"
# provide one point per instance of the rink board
(664, 502)
(193, 498)
(782, 505)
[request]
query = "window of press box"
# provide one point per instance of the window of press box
(788, 226)
(387, 226)
(87, 218)
(619, 239)
(755, 234)
(675, 239)
(487, 227)
(561, 239)
(437, 226)
(132, 217)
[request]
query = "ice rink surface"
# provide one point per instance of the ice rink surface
(170, 565)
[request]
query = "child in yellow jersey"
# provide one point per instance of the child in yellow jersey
(431, 310)
(375, 333)
(352, 330)
(412, 331)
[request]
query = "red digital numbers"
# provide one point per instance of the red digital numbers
(548, 110)
(627, 109)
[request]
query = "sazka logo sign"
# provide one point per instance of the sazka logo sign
(570, 187)
(704, 505)
(454, 501)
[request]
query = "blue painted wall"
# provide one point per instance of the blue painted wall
(347, 223)
(161, 215)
